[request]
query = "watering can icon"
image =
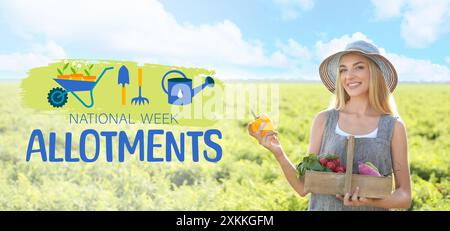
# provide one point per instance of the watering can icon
(180, 91)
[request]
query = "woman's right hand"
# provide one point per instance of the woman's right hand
(269, 140)
(272, 143)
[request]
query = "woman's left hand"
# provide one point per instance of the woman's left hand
(355, 200)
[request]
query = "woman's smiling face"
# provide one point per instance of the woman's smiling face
(354, 73)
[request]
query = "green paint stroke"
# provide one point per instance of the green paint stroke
(107, 93)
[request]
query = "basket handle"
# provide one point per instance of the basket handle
(349, 168)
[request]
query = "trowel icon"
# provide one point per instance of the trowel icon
(123, 78)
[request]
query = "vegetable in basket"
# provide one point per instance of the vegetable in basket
(313, 162)
(368, 168)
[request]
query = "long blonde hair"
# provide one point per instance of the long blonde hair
(380, 98)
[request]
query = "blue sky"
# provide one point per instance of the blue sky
(262, 20)
(276, 39)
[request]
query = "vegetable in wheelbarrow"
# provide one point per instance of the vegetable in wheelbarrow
(89, 76)
(62, 70)
(75, 72)
(75, 75)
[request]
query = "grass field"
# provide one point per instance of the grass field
(247, 177)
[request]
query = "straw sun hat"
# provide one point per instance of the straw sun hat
(329, 67)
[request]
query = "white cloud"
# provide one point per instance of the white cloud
(408, 69)
(142, 28)
(145, 31)
(423, 22)
(325, 49)
(294, 49)
(40, 55)
(385, 9)
(447, 59)
(291, 9)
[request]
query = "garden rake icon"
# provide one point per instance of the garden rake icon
(140, 100)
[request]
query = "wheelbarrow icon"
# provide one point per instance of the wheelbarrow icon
(57, 97)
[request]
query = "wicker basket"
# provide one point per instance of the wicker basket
(340, 183)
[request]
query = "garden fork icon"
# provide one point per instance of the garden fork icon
(140, 100)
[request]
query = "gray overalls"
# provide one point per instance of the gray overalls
(376, 150)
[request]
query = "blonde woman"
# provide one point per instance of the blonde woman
(362, 81)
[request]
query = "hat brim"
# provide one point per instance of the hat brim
(329, 67)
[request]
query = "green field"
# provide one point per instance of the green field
(247, 177)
